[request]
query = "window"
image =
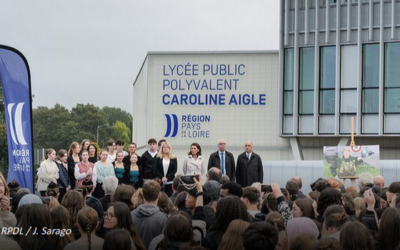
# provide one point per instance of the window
(348, 83)
(370, 79)
(392, 78)
(306, 84)
(288, 82)
(327, 80)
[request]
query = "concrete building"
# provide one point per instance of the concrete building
(187, 97)
(340, 59)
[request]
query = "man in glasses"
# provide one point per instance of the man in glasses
(223, 160)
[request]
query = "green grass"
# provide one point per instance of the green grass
(360, 169)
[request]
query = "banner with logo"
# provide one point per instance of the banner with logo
(351, 161)
(15, 77)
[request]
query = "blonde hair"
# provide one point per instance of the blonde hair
(139, 195)
(161, 154)
(72, 147)
(6, 189)
(359, 204)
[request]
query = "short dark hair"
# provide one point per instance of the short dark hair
(160, 142)
(89, 185)
(328, 197)
(321, 185)
(52, 189)
(260, 235)
(118, 239)
(197, 146)
(110, 142)
(132, 143)
(214, 175)
(233, 188)
(394, 187)
(151, 191)
(252, 194)
(292, 187)
(119, 142)
(151, 141)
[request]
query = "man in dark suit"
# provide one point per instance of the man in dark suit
(227, 165)
(249, 168)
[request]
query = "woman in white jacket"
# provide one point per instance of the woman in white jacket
(195, 161)
(48, 172)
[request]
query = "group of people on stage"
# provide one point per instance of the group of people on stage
(81, 163)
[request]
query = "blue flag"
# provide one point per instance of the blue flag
(15, 77)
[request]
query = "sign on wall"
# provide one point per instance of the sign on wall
(206, 97)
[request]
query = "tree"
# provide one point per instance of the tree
(117, 114)
(58, 127)
(3, 136)
(88, 117)
(54, 128)
(121, 131)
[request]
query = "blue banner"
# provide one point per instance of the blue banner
(15, 77)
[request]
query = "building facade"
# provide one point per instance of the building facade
(187, 97)
(338, 60)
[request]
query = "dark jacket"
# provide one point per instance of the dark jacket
(149, 222)
(172, 168)
(215, 160)
(96, 205)
(127, 175)
(71, 171)
(300, 195)
(63, 179)
(149, 165)
(249, 171)
(105, 202)
(212, 240)
(127, 160)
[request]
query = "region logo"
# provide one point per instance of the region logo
(16, 131)
(172, 125)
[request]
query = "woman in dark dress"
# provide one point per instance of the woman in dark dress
(93, 158)
(63, 179)
(166, 167)
(134, 173)
(73, 158)
(119, 167)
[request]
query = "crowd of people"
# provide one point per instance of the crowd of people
(120, 200)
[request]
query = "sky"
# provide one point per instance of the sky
(91, 51)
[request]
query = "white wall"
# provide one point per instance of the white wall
(234, 123)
